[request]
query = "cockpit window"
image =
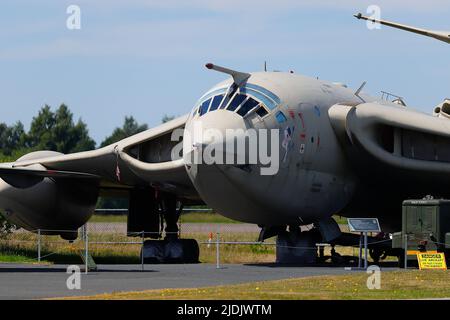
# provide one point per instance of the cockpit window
(261, 111)
(216, 102)
(263, 98)
(213, 93)
(247, 106)
(241, 100)
(204, 107)
(264, 91)
(236, 101)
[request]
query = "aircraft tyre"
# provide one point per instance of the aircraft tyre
(297, 247)
(171, 251)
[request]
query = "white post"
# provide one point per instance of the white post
(217, 252)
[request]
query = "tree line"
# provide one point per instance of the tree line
(57, 131)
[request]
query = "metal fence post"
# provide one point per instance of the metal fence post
(86, 249)
(360, 251)
(406, 250)
(142, 250)
(218, 251)
(39, 245)
(366, 258)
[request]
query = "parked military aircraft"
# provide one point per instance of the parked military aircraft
(341, 151)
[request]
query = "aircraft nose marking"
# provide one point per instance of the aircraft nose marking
(287, 141)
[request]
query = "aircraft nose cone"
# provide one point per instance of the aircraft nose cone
(208, 139)
(222, 177)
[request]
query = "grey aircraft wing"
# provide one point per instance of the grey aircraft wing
(142, 159)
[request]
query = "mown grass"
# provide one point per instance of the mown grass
(411, 284)
(15, 258)
(119, 249)
(233, 253)
(111, 248)
(191, 217)
(22, 246)
(109, 218)
(205, 217)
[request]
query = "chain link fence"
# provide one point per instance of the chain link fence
(105, 241)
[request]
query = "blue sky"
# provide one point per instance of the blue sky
(146, 58)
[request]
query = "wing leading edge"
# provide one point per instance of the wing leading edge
(139, 160)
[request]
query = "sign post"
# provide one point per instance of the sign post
(364, 226)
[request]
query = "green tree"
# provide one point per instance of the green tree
(48, 131)
(11, 138)
(112, 203)
(129, 128)
(57, 131)
(167, 118)
(5, 227)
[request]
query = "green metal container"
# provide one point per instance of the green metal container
(425, 225)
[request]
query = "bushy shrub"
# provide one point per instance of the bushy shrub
(5, 226)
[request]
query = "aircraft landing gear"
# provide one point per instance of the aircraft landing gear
(164, 210)
(295, 247)
(171, 251)
(377, 254)
(336, 258)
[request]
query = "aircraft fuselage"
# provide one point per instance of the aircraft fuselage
(314, 180)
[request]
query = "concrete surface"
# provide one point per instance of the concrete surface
(25, 281)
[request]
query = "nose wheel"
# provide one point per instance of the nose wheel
(170, 251)
(295, 247)
(164, 214)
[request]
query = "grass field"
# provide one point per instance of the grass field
(112, 218)
(202, 217)
(22, 246)
(411, 284)
(191, 217)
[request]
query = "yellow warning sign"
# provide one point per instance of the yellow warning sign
(428, 260)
